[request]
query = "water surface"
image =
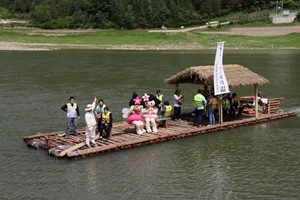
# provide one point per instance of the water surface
(255, 162)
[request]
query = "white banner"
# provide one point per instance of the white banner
(220, 81)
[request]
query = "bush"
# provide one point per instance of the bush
(298, 17)
(5, 14)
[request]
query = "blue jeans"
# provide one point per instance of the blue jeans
(198, 116)
(211, 114)
(72, 120)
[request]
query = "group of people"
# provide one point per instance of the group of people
(206, 103)
(100, 112)
(99, 118)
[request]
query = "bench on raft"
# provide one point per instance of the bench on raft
(163, 121)
(271, 107)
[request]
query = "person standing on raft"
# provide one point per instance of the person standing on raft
(72, 111)
(199, 104)
(98, 111)
(90, 124)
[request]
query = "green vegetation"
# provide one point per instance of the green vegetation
(140, 38)
(136, 14)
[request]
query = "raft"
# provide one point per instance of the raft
(124, 136)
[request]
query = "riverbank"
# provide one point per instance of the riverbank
(30, 39)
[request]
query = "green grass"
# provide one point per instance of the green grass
(142, 37)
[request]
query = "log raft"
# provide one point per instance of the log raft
(124, 137)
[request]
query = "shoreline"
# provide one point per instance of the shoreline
(18, 46)
(256, 33)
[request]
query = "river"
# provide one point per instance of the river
(254, 162)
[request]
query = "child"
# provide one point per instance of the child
(166, 110)
(90, 124)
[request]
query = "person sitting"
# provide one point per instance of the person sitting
(262, 102)
(234, 106)
(106, 123)
(166, 110)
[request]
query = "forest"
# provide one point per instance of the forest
(130, 14)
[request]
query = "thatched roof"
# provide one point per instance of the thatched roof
(236, 75)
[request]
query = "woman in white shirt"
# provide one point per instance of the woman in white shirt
(177, 104)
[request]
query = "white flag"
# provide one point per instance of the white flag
(220, 81)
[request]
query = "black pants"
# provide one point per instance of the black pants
(106, 129)
(177, 111)
(232, 111)
(99, 124)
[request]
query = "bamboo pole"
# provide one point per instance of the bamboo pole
(256, 99)
(220, 110)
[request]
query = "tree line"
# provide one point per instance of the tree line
(129, 14)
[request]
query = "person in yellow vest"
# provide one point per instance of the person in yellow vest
(199, 105)
(159, 96)
(72, 111)
(166, 110)
(226, 105)
(106, 123)
(212, 107)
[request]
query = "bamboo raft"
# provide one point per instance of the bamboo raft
(124, 137)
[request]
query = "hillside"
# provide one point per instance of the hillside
(135, 14)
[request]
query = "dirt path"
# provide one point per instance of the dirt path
(260, 31)
(185, 29)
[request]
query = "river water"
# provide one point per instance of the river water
(255, 162)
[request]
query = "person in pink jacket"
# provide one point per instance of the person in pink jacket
(91, 124)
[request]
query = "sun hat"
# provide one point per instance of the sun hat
(88, 107)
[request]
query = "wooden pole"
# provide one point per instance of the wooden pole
(220, 110)
(256, 99)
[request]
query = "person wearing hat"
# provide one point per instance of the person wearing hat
(106, 123)
(90, 124)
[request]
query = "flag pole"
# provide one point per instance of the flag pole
(221, 110)
(220, 82)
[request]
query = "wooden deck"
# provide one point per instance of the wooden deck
(123, 136)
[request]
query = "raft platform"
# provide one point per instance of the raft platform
(124, 136)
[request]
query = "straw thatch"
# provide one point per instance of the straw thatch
(236, 75)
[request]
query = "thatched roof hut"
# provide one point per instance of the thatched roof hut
(236, 75)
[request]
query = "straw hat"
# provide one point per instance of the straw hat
(88, 107)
